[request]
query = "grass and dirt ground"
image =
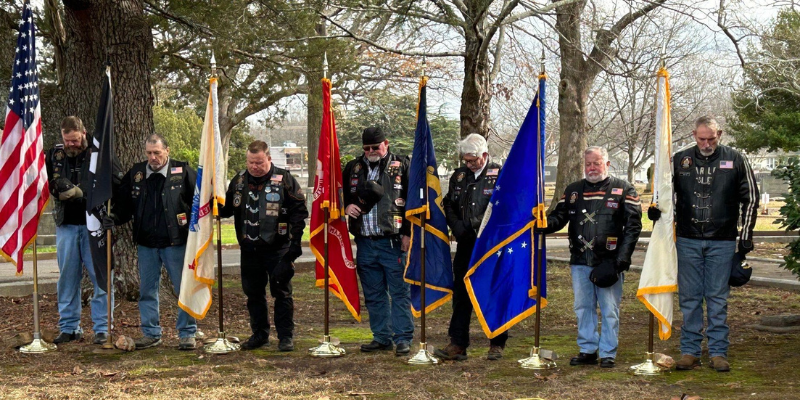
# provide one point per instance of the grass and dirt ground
(764, 365)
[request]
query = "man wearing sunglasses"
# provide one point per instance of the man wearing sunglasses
(382, 236)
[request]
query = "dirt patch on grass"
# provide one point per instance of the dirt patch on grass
(762, 364)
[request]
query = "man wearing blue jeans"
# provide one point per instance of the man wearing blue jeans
(66, 169)
(605, 218)
(382, 236)
(157, 194)
(715, 190)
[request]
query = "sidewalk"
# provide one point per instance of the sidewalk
(765, 273)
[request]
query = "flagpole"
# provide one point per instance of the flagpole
(222, 345)
(536, 360)
(423, 356)
(649, 366)
(38, 345)
(327, 349)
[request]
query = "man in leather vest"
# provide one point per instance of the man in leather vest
(67, 169)
(605, 218)
(714, 187)
(467, 198)
(382, 238)
(157, 194)
(269, 211)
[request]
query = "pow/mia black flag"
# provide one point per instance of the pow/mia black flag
(103, 167)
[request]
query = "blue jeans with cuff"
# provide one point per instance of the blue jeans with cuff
(587, 298)
(150, 261)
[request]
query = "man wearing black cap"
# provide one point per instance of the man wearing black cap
(382, 236)
(605, 218)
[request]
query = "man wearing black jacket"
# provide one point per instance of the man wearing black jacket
(470, 191)
(715, 189)
(605, 218)
(269, 211)
(382, 235)
(157, 194)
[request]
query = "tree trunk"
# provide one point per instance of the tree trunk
(97, 30)
(314, 113)
(476, 94)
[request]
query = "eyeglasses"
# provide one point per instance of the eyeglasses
(473, 162)
(374, 147)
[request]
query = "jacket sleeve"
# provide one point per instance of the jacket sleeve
(631, 224)
(189, 182)
(296, 208)
(749, 198)
(123, 202)
(558, 218)
(347, 197)
(405, 228)
(449, 204)
(50, 181)
(228, 210)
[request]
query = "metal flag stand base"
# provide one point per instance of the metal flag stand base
(38, 345)
(221, 346)
(536, 362)
(423, 356)
(326, 349)
(647, 368)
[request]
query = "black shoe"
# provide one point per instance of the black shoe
(375, 346)
(256, 341)
(402, 349)
(286, 344)
(65, 337)
(607, 362)
(584, 359)
(100, 338)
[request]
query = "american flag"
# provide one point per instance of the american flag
(23, 176)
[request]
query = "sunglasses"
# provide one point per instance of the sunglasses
(374, 147)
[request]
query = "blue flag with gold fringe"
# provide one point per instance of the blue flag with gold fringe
(501, 280)
(425, 202)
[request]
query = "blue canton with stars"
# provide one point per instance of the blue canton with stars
(24, 92)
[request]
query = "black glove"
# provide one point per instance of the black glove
(295, 251)
(653, 213)
(462, 230)
(604, 275)
(108, 223)
(283, 271)
(745, 246)
(622, 266)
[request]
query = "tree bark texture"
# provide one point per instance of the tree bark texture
(117, 31)
(314, 112)
(476, 94)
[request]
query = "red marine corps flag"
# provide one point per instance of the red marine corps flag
(23, 177)
(328, 195)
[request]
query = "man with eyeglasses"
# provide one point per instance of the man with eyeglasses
(714, 185)
(470, 191)
(382, 237)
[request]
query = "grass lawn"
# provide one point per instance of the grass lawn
(763, 364)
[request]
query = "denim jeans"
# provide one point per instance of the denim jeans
(150, 261)
(381, 266)
(587, 298)
(703, 272)
(73, 253)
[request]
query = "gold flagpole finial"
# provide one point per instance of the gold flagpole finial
(325, 65)
(213, 64)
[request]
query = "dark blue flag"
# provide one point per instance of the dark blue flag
(425, 202)
(501, 279)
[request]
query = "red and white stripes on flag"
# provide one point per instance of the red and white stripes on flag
(23, 177)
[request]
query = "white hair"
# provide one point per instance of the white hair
(474, 144)
(597, 149)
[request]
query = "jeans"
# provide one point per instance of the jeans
(462, 306)
(257, 267)
(73, 253)
(381, 266)
(150, 261)
(703, 272)
(587, 298)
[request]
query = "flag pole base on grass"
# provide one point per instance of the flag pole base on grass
(221, 346)
(107, 348)
(326, 349)
(423, 356)
(647, 368)
(37, 346)
(536, 362)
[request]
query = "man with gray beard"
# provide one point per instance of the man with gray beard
(605, 218)
(67, 171)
